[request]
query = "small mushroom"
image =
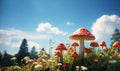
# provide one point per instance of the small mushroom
(95, 60)
(116, 45)
(81, 35)
(94, 44)
(87, 50)
(74, 54)
(61, 47)
(75, 44)
(31, 61)
(105, 48)
(58, 54)
(103, 44)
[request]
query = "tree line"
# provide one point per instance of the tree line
(5, 58)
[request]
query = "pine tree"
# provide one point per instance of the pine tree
(115, 36)
(6, 60)
(22, 52)
(33, 53)
(0, 58)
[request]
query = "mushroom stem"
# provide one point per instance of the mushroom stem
(61, 58)
(58, 59)
(75, 48)
(116, 50)
(102, 49)
(81, 51)
(93, 49)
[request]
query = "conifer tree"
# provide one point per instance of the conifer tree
(22, 52)
(115, 36)
(0, 58)
(6, 60)
(33, 53)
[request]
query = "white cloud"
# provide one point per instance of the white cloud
(18, 34)
(31, 44)
(104, 26)
(5, 40)
(15, 45)
(48, 28)
(12, 37)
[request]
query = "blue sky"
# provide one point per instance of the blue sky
(21, 19)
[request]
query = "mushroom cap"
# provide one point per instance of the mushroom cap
(64, 65)
(105, 48)
(116, 44)
(81, 33)
(31, 61)
(75, 44)
(74, 54)
(87, 50)
(61, 46)
(103, 43)
(95, 60)
(58, 54)
(94, 44)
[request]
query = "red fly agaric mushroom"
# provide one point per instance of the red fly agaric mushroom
(87, 50)
(81, 35)
(105, 48)
(116, 45)
(74, 54)
(61, 47)
(31, 61)
(58, 54)
(94, 44)
(103, 44)
(75, 44)
(95, 60)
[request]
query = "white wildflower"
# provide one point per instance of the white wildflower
(59, 64)
(16, 68)
(43, 60)
(84, 68)
(77, 67)
(13, 58)
(53, 61)
(112, 61)
(26, 58)
(38, 67)
(50, 60)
